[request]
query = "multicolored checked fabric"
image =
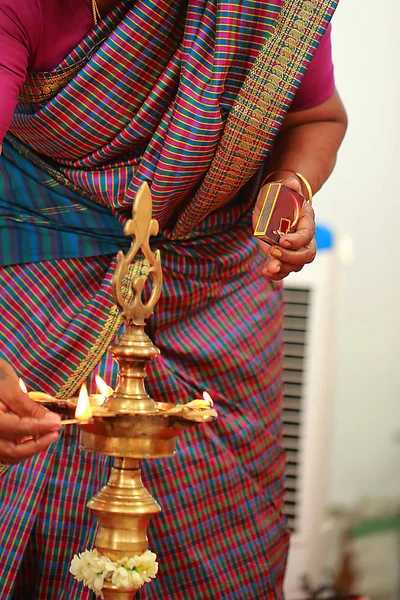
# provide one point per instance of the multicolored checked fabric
(221, 533)
(57, 221)
(44, 519)
(159, 112)
(260, 108)
(157, 82)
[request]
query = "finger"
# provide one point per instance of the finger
(305, 230)
(23, 406)
(273, 267)
(15, 428)
(277, 267)
(20, 404)
(4, 461)
(292, 183)
(294, 257)
(12, 452)
(284, 272)
(264, 246)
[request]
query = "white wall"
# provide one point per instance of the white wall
(362, 200)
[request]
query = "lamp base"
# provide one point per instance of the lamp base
(118, 594)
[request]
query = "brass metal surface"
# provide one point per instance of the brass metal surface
(129, 425)
(141, 435)
(142, 227)
(139, 447)
(133, 350)
(110, 592)
(123, 508)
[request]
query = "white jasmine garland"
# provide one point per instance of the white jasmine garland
(125, 579)
(94, 569)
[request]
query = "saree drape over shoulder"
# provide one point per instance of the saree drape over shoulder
(164, 92)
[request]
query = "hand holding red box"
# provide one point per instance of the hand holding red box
(279, 213)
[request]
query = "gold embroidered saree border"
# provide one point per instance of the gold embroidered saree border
(39, 87)
(259, 109)
(43, 86)
(4, 469)
(108, 333)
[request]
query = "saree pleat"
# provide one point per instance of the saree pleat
(221, 495)
(155, 84)
(158, 114)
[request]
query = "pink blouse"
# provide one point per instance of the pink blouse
(35, 35)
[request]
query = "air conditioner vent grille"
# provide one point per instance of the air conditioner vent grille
(295, 327)
(291, 336)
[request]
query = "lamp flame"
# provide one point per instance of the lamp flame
(83, 410)
(208, 398)
(22, 385)
(103, 388)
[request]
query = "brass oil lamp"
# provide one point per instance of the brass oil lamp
(130, 425)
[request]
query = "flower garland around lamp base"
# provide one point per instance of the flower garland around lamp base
(96, 570)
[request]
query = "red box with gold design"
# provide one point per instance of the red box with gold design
(279, 214)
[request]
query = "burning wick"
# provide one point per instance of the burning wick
(208, 398)
(83, 410)
(22, 385)
(201, 403)
(103, 388)
(40, 397)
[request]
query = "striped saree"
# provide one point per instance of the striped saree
(158, 91)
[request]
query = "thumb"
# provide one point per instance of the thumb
(293, 184)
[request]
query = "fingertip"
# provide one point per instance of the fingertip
(55, 427)
(51, 426)
(274, 266)
(48, 438)
(52, 417)
(293, 184)
(274, 252)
